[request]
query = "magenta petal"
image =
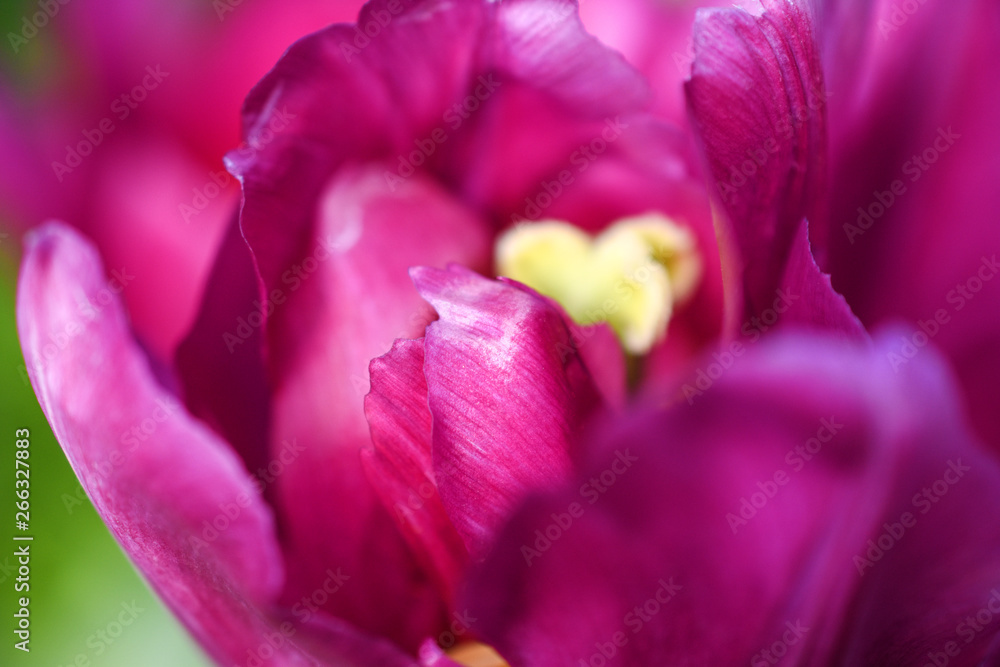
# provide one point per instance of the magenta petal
(544, 43)
(819, 306)
(601, 352)
(178, 500)
(653, 36)
(914, 203)
(431, 655)
(156, 495)
(701, 535)
(399, 464)
(757, 102)
(328, 103)
(340, 306)
(508, 393)
(221, 360)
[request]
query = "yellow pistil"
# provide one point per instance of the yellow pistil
(474, 654)
(630, 276)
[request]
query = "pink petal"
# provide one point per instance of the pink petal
(299, 128)
(399, 464)
(508, 393)
(758, 106)
(656, 38)
(174, 495)
(601, 353)
(160, 492)
(337, 308)
(543, 42)
(556, 89)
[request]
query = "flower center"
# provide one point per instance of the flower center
(629, 276)
(474, 654)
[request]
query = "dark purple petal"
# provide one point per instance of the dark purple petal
(708, 533)
(221, 361)
(758, 106)
(913, 199)
(819, 306)
(508, 393)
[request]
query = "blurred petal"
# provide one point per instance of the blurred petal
(913, 201)
(137, 186)
(25, 195)
(708, 533)
(221, 361)
(508, 393)
(655, 37)
(214, 53)
(601, 353)
(543, 42)
(431, 655)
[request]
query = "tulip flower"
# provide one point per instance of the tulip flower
(497, 365)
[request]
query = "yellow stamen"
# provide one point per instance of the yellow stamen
(474, 654)
(629, 276)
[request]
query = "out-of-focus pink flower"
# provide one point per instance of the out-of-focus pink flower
(441, 456)
(118, 123)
